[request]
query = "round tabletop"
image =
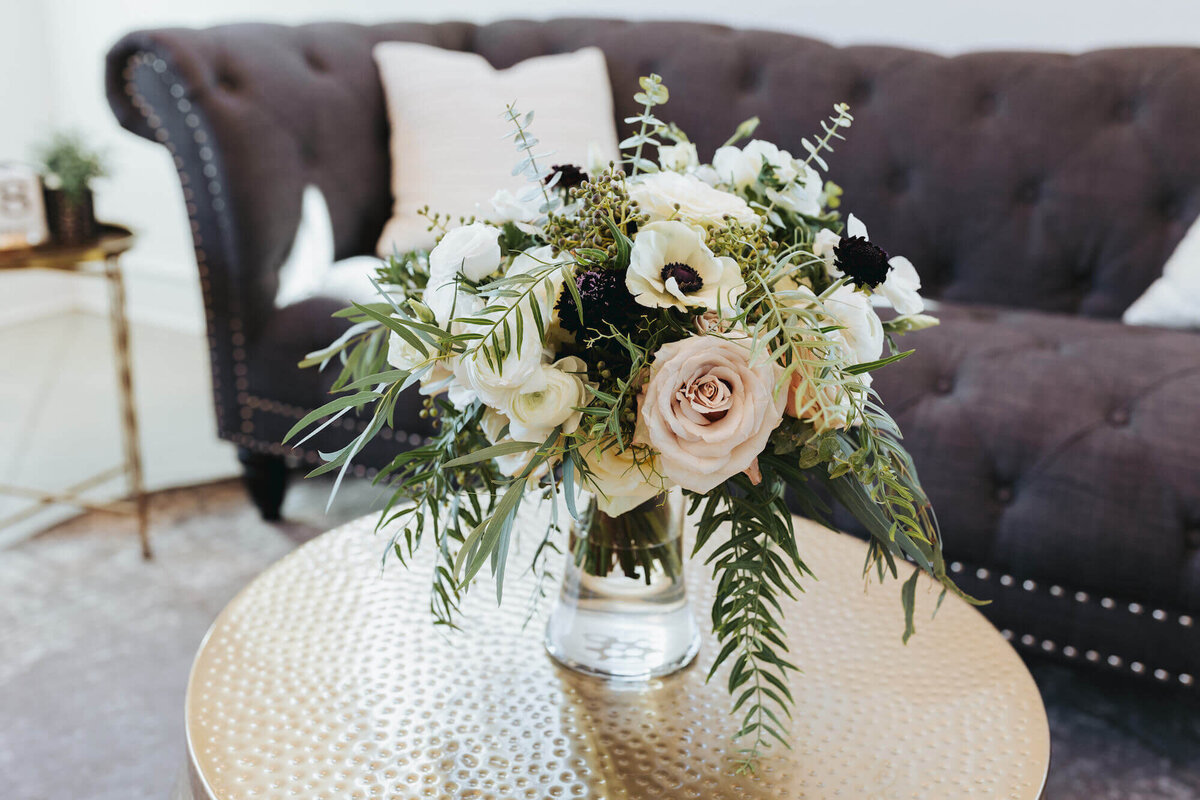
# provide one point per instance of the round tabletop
(110, 240)
(325, 678)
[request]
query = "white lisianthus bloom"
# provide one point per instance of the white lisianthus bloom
(533, 416)
(473, 250)
(621, 481)
(659, 193)
(678, 157)
(670, 266)
(901, 287)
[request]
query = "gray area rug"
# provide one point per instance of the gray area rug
(95, 647)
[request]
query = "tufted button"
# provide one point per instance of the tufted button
(751, 78)
(1119, 417)
(861, 91)
(987, 103)
(1004, 494)
(1126, 109)
(227, 81)
(944, 385)
(1030, 191)
(314, 61)
(1171, 206)
(898, 180)
(1192, 537)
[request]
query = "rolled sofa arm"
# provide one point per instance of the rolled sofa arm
(151, 88)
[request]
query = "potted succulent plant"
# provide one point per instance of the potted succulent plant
(68, 168)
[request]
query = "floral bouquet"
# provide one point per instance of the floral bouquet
(636, 333)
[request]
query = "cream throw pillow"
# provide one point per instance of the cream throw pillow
(1173, 301)
(449, 145)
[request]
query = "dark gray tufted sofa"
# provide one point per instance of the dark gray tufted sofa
(1038, 194)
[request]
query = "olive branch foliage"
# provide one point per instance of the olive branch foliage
(451, 489)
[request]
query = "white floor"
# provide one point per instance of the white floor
(59, 412)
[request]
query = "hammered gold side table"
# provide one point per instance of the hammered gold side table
(326, 679)
(101, 256)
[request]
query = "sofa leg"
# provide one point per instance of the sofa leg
(265, 477)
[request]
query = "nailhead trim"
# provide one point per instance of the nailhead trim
(1117, 662)
(1107, 603)
(249, 403)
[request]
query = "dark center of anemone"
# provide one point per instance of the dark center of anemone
(688, 279)
(865, 263)
(572, 176)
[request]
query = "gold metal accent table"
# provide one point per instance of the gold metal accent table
(101, 256)
(326, 679)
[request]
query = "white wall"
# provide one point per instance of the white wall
(55, 49)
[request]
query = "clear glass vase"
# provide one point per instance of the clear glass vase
(623, 611)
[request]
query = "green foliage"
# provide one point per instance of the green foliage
(452, 489)
(70, 165)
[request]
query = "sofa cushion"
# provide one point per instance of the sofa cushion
(1059, 449)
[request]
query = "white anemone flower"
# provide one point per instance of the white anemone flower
(901, 287)
(670, 266)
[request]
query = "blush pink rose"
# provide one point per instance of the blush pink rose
(707, 411)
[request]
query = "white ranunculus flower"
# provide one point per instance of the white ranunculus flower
(901, 288)
(493, 423)
(659, 193)
(542, 261)
(520, 370)
(402, 354)
(861, 332)
(534, 415)
(473, 250)
(670, 266)
(446, 299)
(621, 481)
(678, 157)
